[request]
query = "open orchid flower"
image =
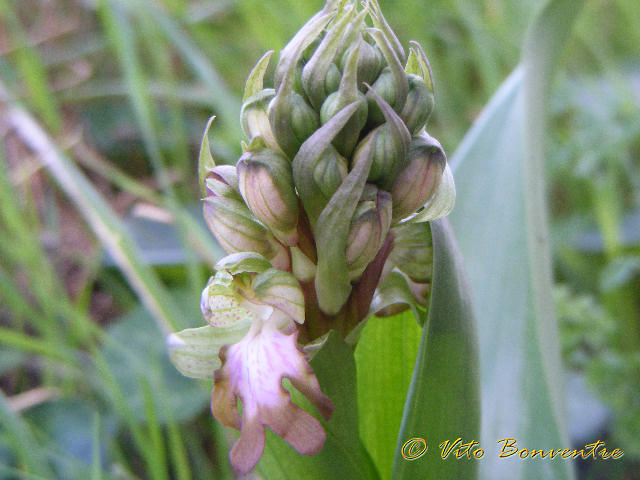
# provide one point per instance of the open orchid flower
(247, 292)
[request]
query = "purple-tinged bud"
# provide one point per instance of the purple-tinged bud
(368, 230)
(418, 181)
(266, 184)
(221, 180)
(237, 230)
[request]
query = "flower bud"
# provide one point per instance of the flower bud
(345, 141)
(222, 180)
(412, 251)
(254, 118)
(266, 184)
(369, 228)
(385, 87)
(332, 80)
(314, 74)
(417, 183)
(370, 62)
(256, 99)
(419, 104)
(388, 144)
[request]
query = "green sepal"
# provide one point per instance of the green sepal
(205, 159)
(381, 23)
(423, 63)
(243, 262)
(394, 295)
(305, 162)
(194, 351)
(255, 81)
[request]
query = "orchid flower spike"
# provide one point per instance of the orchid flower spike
(324, 217)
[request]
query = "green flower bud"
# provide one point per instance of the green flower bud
(419, 105)
(369, 227)
(370, 62)
(314, 74)
(412, 251)
(317, 166)
(329, 172)
(253, 115)
(345, 141)
(266, 184)
(417, 183)
(385, 87)
(332, 80)
(388, 144)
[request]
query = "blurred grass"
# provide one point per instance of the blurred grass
(123, 89)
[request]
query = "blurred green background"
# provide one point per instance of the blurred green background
(123, 89)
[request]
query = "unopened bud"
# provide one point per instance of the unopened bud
(368, 230)
(388, 144)
(315, 72)
(370, 62)
(385, 87)
(254, 118)
(237, 230)
(418, 106)
(266, 184)
(222, 180)
(417, 183)
(345, 141)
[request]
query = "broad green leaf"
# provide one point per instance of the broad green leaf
(443, 399)
(343, 455)
(500, 223)
(385, 357)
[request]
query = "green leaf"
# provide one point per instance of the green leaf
(343, 455)
(385, 357)
(443, 399)
(503, 235)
